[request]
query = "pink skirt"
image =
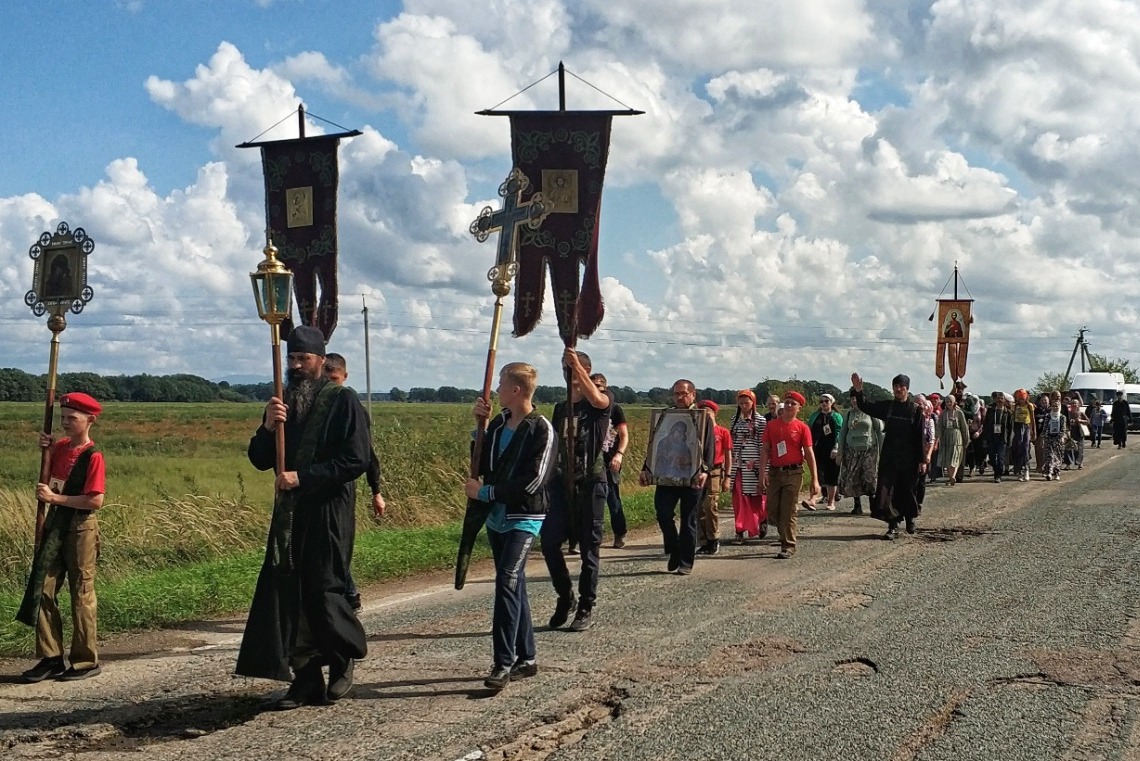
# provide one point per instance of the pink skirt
(750, 510)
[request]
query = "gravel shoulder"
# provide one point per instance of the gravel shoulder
(1006, 628)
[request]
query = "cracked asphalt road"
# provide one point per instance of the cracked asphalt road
(1005, 629)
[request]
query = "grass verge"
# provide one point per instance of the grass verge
(155, 598)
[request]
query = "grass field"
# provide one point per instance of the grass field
(186, 516)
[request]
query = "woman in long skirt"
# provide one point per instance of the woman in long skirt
(952, 433)
(749, 504)
(859, 444)
(825, 424)
(1054, 429)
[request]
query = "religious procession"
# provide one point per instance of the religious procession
(532, 479)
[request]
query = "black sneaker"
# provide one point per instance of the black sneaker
(619, 542)
(674, 563)
(703, 549)
(499, 678)
(340, 680)
(583, 621)
(572, 550)
(307, 689)
(892, 532)
(562, 611)
(763, 530)
(713, 547)
(909, 525)
(74, 675)
(354, 601)
(684, 570)
(524, 669)
(47, 668)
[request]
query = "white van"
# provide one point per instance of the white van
(1102, 386)
(1132, 394)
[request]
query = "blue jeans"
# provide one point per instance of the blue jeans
(1020, 446)
(588, 512)
(613, 501)
(997, 454)
(681, 545)
(512, 631)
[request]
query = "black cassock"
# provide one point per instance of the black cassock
(310, 539)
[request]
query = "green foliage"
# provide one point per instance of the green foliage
(1103, 364)
(1049, 382)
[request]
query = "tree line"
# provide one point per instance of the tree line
(19, 386)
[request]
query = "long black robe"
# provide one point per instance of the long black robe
(899, 459)
(310, 541)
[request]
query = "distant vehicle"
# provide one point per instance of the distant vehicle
(1132, 394)
(1103, 386)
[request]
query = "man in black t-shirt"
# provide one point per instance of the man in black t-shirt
(613, 454)
(582, 498)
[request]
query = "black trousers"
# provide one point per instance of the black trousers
(584, 515)
(680, 544)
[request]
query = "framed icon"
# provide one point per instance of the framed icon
(675, 454)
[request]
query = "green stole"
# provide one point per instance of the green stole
(285, 503)
(56, 524)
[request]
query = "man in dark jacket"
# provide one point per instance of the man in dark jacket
(578, 504)
(1121, 416)
(300, 619)
(515, 465)
(902, 460)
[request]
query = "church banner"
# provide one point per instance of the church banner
(301, 178)
(563, 154)
(953, 323)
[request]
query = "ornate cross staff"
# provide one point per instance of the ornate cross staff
(506, 221)
(59, 285)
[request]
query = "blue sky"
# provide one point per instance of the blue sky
(798, 191)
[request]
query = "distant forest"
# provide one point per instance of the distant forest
(19, 386)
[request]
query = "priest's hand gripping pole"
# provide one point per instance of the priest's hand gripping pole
(507, 220)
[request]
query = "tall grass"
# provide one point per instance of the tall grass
(186, 515)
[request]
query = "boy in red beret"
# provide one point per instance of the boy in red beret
(69, 546)
(708, 523)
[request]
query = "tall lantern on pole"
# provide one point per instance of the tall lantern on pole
(273, 292)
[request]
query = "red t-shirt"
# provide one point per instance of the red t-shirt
(722, 440)
(794, 436)
(63, 459)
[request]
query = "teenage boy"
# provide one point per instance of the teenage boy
(515, 464)
(336, 371)
(613, 456)
(69, 546)
(786, 446)
(708, 522)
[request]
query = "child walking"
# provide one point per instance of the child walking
(69, 546)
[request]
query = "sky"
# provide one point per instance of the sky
(797, 194)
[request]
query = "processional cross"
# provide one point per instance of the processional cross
(506, 221)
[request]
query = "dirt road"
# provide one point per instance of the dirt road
(1005, 629)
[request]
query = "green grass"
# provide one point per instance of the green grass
(184, 524)
(193, 591)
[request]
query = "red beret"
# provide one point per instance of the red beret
(81, 402)
(709, 404)
(796, 397)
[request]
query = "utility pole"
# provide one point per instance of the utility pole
(367, 356)
(1081, 346)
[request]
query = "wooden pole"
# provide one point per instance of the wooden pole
(279, 392)
(367, 358)
(56, 324)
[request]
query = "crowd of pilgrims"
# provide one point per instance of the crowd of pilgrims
(964, 435)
